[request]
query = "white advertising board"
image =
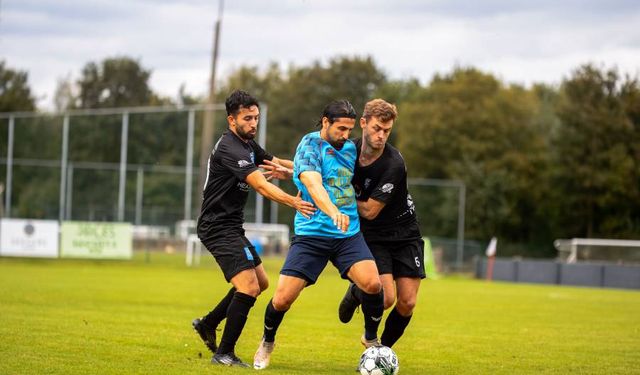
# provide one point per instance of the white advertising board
(29, 238)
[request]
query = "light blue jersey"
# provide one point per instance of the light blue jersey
(336, 167)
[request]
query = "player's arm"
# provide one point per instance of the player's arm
(260, 184)
(313, 182)
(283, 162)
(370, 208)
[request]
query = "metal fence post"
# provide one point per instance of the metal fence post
(188, 178)
(7, 197)
(139, 195)
(63, 167)
(123, 164)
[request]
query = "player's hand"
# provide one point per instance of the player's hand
(305, 208)
(341, 221)
(274, 170)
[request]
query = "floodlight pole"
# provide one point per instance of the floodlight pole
(206, 142)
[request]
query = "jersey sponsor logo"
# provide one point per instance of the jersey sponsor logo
(243, 186)
(410, 204)
(387, 188)
(243, 163)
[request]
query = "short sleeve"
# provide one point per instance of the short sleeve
(238, 160)
(389, 183)
(308, 155)
(260, 154)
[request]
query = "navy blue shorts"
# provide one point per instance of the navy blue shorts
(308, 255)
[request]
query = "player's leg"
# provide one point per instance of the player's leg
(305, 261)
(389, 289)
(240, 270)
(399, 318)
(364, 274)
(353, 296)
(207, 325)
(355, 262)
(287, 291)
(408, 270)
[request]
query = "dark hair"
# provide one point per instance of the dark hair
(337, 109)
(239, 99)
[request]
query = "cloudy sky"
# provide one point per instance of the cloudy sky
(519, 41)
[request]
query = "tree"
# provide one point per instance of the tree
(596, 151)
(115, 82)
(15, 94)
(468, 126)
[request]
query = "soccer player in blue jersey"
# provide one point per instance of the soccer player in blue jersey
(322, 170)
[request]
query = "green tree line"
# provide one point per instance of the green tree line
(538, 163)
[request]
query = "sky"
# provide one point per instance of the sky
(519, 41)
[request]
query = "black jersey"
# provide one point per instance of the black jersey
(384, 180)
(226, 191)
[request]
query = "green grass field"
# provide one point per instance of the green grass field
(133, 317)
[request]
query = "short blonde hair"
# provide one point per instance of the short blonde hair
(381, 109)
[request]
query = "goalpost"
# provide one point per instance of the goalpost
(598, 249)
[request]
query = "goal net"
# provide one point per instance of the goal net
(598, 250)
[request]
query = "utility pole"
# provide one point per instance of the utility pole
(208, 128)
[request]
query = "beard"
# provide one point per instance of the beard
(247, 136)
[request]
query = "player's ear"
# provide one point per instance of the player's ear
(363, 122)
(325, 122)
(231, 120)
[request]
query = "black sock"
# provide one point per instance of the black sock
(213, 318)
(236, 318)
(272, 320)
(372, 309)
(356, 292)
(394, 327)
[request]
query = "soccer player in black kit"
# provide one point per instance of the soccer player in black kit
(232, 171)
(387, 221)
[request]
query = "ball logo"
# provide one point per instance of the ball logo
(387, 188)
(29, 229)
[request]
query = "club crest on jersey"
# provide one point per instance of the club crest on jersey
(387, 188)
(367, 182)
(243, 163)
(331, 152)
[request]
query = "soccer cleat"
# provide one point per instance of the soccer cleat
(207, 334)
(348, 305)
(263, 355)
(369, 343)
(228, 359)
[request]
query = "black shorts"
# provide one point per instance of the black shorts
(398, 251)
(308, 255)
(234, 253)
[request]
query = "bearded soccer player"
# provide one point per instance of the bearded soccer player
(232, 171)
(387, 221)
(323, 169)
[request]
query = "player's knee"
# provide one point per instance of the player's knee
(405, 306)
(372, 286)
(282, 302)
